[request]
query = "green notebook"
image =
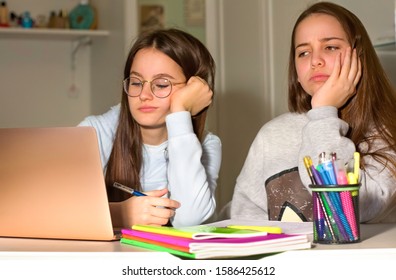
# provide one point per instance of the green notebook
(157, 248)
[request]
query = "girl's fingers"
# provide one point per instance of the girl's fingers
(337, 67)
(158, 215)
(351, 70)
(160, 212)
(155, 221)
(155, 201)
(359, 72)
(157, 193)
(346, 65)
(165, 203)
(354, 69)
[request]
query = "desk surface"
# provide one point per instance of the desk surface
(374, 255)
(373, 236)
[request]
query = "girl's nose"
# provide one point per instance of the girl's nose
(317, 60)
(146, 93)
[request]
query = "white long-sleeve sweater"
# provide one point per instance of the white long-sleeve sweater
(184, 165)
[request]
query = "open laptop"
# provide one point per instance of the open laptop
(52, 184)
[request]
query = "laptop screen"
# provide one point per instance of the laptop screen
(52, 184)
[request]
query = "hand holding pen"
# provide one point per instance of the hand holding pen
(149, 208)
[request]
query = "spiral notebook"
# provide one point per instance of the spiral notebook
(208, 242)
(52, 184)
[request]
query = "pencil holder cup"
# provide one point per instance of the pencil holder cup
(335, 214)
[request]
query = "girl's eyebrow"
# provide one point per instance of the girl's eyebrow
(323, 40)
(159, 75)
(135, 73)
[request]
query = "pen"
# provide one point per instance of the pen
(351, 178)
(127, 189)
(316, 175)
(324, 209)
(307, 163)
(356, 157)
(340, 173)
(323, 174)
(316, 180)
(326, 168)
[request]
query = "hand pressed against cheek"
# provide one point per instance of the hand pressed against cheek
(194, 97)
(320, 42)
(341, 85)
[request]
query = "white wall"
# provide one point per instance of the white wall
(36, 83)
(241, 83)
(252, 54)
(252, 50)
(249, 40)
(36, 76)
(39, 87)
(108, 54)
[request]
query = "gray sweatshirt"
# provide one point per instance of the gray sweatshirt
(274, 174)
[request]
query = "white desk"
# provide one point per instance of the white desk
(373, 236)
(49, 245)
(26, 258)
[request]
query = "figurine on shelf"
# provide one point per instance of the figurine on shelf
(41, 21)
(4, 15)
(59, 20)
(83, 16)
(51, 20)
(14, 20)
(26, 21)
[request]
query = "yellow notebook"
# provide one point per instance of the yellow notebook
(208, 232)
(201, 231)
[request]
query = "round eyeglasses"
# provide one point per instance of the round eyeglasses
(160, 87)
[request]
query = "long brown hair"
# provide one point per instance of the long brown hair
(371, 112)
(192, 56)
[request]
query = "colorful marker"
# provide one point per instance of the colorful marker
(127, 189)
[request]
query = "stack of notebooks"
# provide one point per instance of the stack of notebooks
(211, 242)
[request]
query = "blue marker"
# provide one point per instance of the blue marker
(323, 175)
(127, 189)
(328, 167)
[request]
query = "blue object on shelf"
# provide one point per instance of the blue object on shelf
(82, 16)
(26, 20)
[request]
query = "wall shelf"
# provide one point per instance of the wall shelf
(46, 33)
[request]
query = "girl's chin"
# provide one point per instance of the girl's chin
(313, 90)
(152, 125)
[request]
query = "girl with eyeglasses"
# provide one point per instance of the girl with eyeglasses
(155, 140)
(340, 101)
